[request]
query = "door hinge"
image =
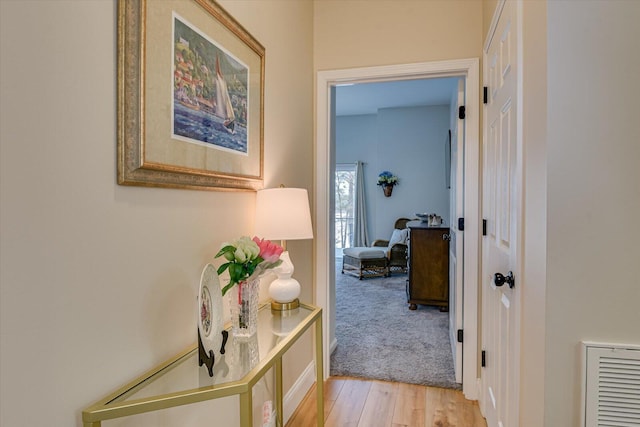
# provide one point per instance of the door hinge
(461, 224)
(484, 227)
(484, 359)
(461, 112)
(460, 336)
(485, 95)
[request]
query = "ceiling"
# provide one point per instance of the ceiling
(368, 98)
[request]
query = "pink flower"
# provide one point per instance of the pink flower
(269, 251)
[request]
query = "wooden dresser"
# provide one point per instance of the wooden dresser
(428, 281)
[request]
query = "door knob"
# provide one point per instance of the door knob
(499, 279)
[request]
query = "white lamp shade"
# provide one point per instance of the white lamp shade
(283, 214)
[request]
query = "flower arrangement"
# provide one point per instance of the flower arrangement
(387, 178)
(247, 259)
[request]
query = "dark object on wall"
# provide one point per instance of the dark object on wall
(447, 161)
(461, 112)
(387, 180)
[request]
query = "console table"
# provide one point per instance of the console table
(180, 381)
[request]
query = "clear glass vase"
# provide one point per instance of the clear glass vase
(246, 355)
(244, 308)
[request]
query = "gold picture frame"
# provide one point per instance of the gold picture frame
(190, 97)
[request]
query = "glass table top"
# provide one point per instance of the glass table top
(242, 357)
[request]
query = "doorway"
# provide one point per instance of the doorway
(325, 203)
(405, 128)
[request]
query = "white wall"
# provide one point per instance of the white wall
(98, 281)
(410, 142)
(593, 192)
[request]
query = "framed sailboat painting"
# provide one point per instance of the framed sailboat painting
(190, 97)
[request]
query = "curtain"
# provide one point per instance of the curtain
(360, 236)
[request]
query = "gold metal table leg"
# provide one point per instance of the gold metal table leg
(319, 374)
(246, 408)
(279, 397)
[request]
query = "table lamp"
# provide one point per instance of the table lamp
(283, 214)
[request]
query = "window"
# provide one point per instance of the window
(345, 204)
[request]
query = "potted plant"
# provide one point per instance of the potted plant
(387, 181)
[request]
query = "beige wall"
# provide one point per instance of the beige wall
(98, 281)
(534, 130)
(593, 197)
(356, 33)
(488, 10)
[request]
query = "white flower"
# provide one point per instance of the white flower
(246, 249)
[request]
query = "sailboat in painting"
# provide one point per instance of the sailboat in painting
(224, 109)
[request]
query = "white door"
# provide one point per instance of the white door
(456, 246)
(502, 184)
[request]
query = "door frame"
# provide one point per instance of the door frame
(456, 210)
(324, 151)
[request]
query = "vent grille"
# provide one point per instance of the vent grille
(612, 386)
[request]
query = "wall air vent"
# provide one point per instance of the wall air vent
(611, 385)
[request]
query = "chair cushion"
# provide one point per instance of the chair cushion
(364, 253)
(399, 236)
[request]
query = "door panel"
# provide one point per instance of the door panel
(501, 194)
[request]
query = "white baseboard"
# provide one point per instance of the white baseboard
(298, 391)
(301, 387)
(478, 393)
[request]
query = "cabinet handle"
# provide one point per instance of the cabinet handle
(446, 237)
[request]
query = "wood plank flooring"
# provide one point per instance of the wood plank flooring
(354, 402)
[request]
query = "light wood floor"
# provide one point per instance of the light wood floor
(351, 402)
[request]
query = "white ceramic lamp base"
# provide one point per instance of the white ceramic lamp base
(285, 290)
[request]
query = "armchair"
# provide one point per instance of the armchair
(397, 249)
